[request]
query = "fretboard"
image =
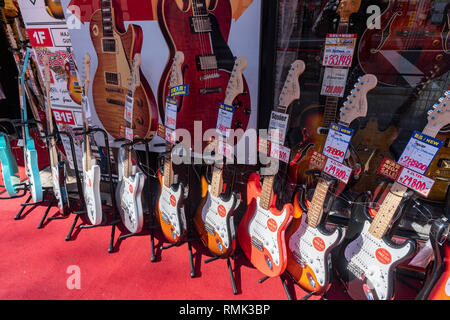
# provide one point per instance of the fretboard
(266, 192)
(107, 18)
(216, 182)
(315, 210)
(168, 169)
(199, 8)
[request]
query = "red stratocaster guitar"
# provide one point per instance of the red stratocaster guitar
(201, 33)
(261, 230)
(409, 47)
(115, 51)
(309, 242)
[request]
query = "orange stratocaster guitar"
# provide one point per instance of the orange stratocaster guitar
(55, 9)
(316, 124)
(309, 242)
(115, 51)
(214, 217)
(75, 90)
(261, 230)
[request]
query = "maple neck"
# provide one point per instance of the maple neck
(127, 165)
(315, 211)
(217, 181)
(199, 8)
(107, 17)
(266, 192)
(168, 172)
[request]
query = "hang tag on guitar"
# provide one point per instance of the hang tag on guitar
(129, 101)
(337, 142)
(277, 127)
(280, 152)
(225, 149)
(86, 107)
(419, 152)
(170, 116)
(224, 119)
(415, 181)
(170, 135)
(180, 90)
(339, 50)
(337, 170)
(129, 134)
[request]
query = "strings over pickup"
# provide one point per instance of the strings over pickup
(206, 62)
(200, 24)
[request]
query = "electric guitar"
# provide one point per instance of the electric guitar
(316, 124)
(409, 46)
(115, 51)
(58, 167)
(261, 232)
(214, 216)
(368, 258)
(131, 182)
(73, 86)
(55, 9)
(309, 242)
(170, 204)
(91, 170)
(201, 33)
(30, 153)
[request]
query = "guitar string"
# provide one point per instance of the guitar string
(203, 49)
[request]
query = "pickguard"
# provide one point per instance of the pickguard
(168, 205)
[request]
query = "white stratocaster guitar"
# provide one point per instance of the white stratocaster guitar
(131, 181)
(368, 257)
(214, 217)
(309, 242)
(58, 167)
(91, 170)
(170, 207)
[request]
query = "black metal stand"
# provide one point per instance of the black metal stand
(113, 207)
(283, 282)
(230, 271)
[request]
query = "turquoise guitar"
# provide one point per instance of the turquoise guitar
(10, 173)
(30, 153)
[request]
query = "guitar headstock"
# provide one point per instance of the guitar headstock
(176, 75)
(356, 104)
(439, 116)
(347, 8)
(291, 88)
(86, 71)
(135, 78)
(47, 77)
(236, 82)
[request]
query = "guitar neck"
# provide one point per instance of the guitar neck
(168, 171)
(266, 192)
(107, 17)
(315, 211)
(199, 8)
(217, 181)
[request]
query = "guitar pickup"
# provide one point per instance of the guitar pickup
(206, 62)
(200, 24)
(210, 90)
(116, 102)
(257, 244)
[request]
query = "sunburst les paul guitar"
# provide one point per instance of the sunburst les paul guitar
(58, 168)
(201, 33)
(131, 181)
(214, 217)
(170, 206)
(91, 170)
(368, 257)
(309, 242)
(261, 232)
(115, 51)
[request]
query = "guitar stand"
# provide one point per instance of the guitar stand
(113, 207)
(283, 282)
(149, 212)
(230, 271)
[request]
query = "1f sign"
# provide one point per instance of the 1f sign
(74, 280)
(40, 37)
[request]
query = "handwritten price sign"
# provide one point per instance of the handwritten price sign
(339, 49)
(280, 152)
(337, 142)
(415, 181)
(334, 81)
(225, 149)
(224, 119)
(337, 170)
(419, 152)
(170, 116)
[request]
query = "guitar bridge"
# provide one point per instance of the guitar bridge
(257, 244)
(355, 270)
(200, 24)
(206, 62)
(209, 228)
(165, 218)
(210, 90)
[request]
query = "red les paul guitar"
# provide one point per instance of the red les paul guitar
(261, 230)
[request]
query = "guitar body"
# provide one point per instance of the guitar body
(309, 251)
(129, 193)
(261, 233)
(439, 170)
(32, 171)
(404, 40)
(206, 88)
(110, 83)
(367, 264)
(91, 191)
(10, 172)
(372, 146)
(170, 211)
(55, 9)
(441, 290)
(73, 86)
(59, 187)
(214, 221)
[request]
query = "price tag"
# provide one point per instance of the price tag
(277, 127)
(280, 152)
(390, 169)
(225, 149)
(337, 170)
(337, 142)
(420, 152)
(129, 134)
(334, 81)
(86, 107)
(180, 90)
(339, 49)
(170, 135)
(415, 181)
(224, 119)
(318, 160)
(170, 116)
(128, 108)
